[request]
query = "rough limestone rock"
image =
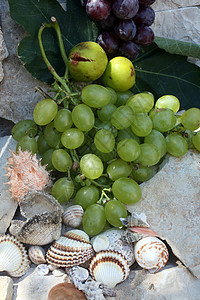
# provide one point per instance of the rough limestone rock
(3, 54)
(171, 202)
(8, 206)
(175, 283)
(6, 288)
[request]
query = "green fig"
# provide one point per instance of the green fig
(119, 74)
(87, 61)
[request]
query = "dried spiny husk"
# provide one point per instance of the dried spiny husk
(25, 174)
(13, 256)
(37, 255)
(151, 253)
(109, 268)
(38, 230)
(71, 249)
(72, 216)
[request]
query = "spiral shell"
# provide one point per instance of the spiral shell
(13, 256)
(71, 249)
(109, 268)
(151, 253)
(37, 255)
(72, 216)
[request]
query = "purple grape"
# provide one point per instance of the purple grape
(108, 23)
(125, 9)
(129, 49)
(144, 36)
(125, 29)
(145, 16)
(146, 2)
(98, 10)
(108, 41)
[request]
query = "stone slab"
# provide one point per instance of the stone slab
(172, 4)
(6, 288)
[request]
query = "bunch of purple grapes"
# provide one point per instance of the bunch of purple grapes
(125, 24)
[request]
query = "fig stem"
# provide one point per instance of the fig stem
(48, 64)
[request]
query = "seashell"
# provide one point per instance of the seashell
(71, 249)
(65, 291)
(72, 216)
(38, 230)
(13, 256)
(36, 202)
(26, 173)
(58, 273)
(37, 255)
(109, 267)
(137, 220)
(42, 270)
(100, 242)
(114, 237)
(78, 273)
(151, 253)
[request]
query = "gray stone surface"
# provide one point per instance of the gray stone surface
(6, 288)
(8, 205)
(3, 54)
(173, 4)
(170, 201)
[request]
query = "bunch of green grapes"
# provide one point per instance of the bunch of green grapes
(103, 146)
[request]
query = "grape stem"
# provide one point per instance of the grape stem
(43, 93)
(74, 155)
(104, 196)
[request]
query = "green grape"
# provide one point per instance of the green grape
(45, 111)
(115, 210)
(118, 168)
(83, 117)
(63, 120)
(168, 101)
(143, 173)
(157, 138)
(61, 160)
(27, 143)
(188, 136)
(122, 117)
(104, 141)
(128, 149)
(103, 181)
(149, 155)
(46, 160)
(104, 114)
(63, 189)
(105, 157)
(141, 124)
(22, 128)
(127, 134)
(113, 95)
(72, 138)
(42, 144)
(191, 119)
(91, 166)
(176, 145)
(94, 219)
(163, 119)
(141, 103)
(95, 95)
(106, 125)
(126, 190)
(122, 97)
(52, 136)
(196, 141)
(87, 196)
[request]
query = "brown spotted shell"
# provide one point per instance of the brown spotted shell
(72, 216)
(65, 291)
(37, 255)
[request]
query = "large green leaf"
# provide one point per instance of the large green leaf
(178, 47)
(162, 73)
(75, 27)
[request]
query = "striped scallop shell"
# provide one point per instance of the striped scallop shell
(109, 268)
(151, 253)
(72, 216)
(37, 255)
(13, 256)
(71, 249)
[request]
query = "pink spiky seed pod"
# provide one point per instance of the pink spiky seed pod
(26, 174)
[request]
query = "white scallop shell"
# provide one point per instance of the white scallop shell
(151, 253)
(71, 249)
(113, 237)
(37, 255)
(72, 216)
(109, 268)
(13, 256)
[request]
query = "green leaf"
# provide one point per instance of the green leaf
(165, 74)
(75, 26)
(178, 47)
